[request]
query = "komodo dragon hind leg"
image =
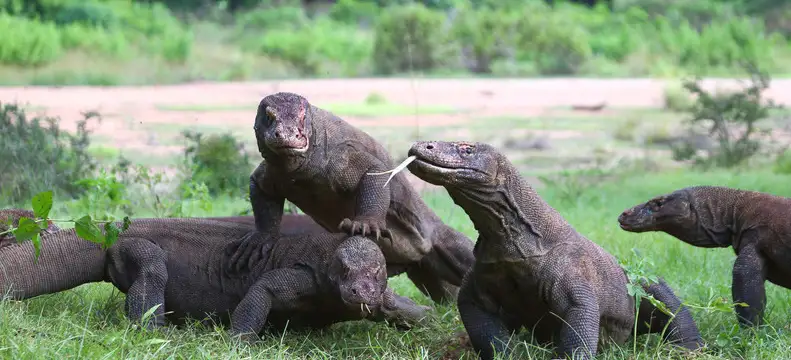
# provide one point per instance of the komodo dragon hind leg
(681, 331)
(138, 268)
(439, 273)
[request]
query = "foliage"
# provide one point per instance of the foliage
(41, 32)
(730, 118)
(323, 47)
(85, 227)
(45, 157)
(408, 38)
(354, 38)
(218, 161)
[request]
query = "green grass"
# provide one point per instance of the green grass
(88, 321)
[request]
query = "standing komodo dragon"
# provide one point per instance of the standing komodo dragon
(757, 226)
(319, 163)
(309, 280)
(532, 268)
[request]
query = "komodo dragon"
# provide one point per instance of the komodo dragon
(309, 280)
(319, 163)
(532, 268)
(755, 224)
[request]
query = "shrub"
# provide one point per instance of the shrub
(354, 11)
(279, 17)
(484, 47)
(218, 161)
(27, 42)
(408, 38)
(326, 48)
(730, 118)
(95, 40)
(44, 157)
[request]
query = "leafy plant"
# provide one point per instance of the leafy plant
(218, 161)
(730, 118)
(45, 158)
(85, 227)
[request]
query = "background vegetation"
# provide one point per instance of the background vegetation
(104, 42)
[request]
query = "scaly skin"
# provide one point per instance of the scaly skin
(309, 279)
(319, 163)
(532, 268)
(755, 224)
(11, 217)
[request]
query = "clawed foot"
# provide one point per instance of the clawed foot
(249, 337)
(365, 227)
(246, 252)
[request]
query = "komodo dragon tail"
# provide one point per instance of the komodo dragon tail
(65, 262)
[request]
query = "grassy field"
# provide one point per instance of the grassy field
(88, 322)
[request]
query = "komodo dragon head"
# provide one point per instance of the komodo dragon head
(283, 126)
(456, 163)
(662, 213)
(10, 217)
(358, 270)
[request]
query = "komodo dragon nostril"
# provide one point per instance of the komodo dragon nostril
(429, 146)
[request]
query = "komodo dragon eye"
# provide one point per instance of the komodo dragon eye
(466, 149)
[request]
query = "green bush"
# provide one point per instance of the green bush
(730, 119)
(27, 42)
(95, 40)
(218, 161)
(326, 48)
(408, 38)
(485, 47)
(280, 17)
(39, 156)
(354, 11)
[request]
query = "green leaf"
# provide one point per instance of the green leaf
(42, 204)
(88, 230)
(36, 246)
(111, 234)
(27, 229)
(127, 223)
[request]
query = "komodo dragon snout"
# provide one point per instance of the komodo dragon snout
(656, 213)
(453, 163)
(358, 270)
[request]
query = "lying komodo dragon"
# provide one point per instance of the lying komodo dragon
(757, 226)
(319, 162)
(532, 268)
(310, 280)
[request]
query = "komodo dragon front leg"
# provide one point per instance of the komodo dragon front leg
(279, 289)
(400, 311)
(487, 331)
(138, 267)
(574, 301)
(267, 207)
(749, 274)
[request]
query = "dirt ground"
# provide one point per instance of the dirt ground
(132, 116)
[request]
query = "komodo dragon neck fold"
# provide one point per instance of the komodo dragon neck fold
(714, 220)
(507, 213)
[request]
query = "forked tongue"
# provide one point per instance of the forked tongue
(396, 170)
